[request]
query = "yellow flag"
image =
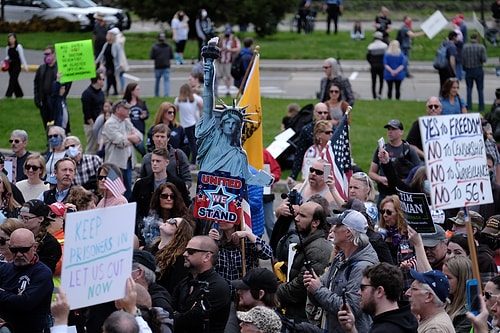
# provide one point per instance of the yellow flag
(253, 132)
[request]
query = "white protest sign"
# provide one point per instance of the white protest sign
(455, 159)
(477, 24)
(97, 261)
(434, 24)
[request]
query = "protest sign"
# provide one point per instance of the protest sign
(97, 260)
(416, 211)
(75, 60)
(455, 159)
(219, 197)
(434, 24)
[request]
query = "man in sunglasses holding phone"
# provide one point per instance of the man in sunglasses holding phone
(203, 297)
(25, 285)
(18, 142)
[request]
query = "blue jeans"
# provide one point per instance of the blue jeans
(165, 72)
(127, 179)
(475, 75)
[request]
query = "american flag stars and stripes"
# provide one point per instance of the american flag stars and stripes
(114, 183)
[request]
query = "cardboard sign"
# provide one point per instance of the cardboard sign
(75, 60)
(97, 259)
(434, 24)
(219, 197)
(455, 160)
(417, 212)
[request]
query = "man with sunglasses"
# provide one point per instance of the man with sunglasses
(306, 139)
(18, 141)
(202, 298)
(433, 108)
(25, 286)
(380, 289)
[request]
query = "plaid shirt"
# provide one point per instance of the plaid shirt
(86, 168)
(230, 264)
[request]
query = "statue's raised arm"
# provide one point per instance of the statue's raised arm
(219, 138)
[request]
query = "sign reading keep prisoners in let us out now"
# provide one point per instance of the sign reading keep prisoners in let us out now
(75, 60)
(455, 159)
(98, 247)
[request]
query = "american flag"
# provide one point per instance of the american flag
(114, 183)
(247, 214)
(338, 154)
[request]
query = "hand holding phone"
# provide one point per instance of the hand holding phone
(344, 299)
(309, 267)
(473, 302)
(327, 170)
(381, 143)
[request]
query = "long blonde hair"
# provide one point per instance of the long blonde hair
(394, 48)
(461, 268)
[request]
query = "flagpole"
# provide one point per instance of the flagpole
(247, 72)
(242, 240)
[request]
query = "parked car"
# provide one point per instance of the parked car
(115, 17)
(25, 10)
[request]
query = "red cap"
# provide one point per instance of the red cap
(58, 208)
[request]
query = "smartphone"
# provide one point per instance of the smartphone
(309, 267)
(473, 302)
(381, 143)
(344, 299)
(327, 170)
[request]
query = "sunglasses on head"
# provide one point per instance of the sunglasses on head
(4, 241)
(32, 167)
(16, 250)
(16, 141)
(386, 211)
(192, 251)
(167, 196)
(316, 171)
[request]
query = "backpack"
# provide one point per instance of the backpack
(400, 37)
(237, 67)
(403, 164)
(441, 59)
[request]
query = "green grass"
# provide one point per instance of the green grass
(284, 45)
(368, 119)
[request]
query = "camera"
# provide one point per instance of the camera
(294, 197)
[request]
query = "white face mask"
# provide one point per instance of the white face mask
(73, 152)
(204, 13)
(427, 186)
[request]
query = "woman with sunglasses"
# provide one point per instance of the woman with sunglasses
(450, 100)
(335, 104)
(166, 203)
(109, 198)
(34, 168)
(322, 134)
(6, 229)
(168, 249)
(458, 270)
(166, 114)
(55, 136)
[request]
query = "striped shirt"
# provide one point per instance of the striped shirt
(473, 55)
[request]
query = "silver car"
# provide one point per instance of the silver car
(25, 10)
(115, 17)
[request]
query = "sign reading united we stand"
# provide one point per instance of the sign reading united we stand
(455, 159)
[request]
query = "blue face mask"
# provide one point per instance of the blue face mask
(55, 142)
(427, 186)
(72, 152)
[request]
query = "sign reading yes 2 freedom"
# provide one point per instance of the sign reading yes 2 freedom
(455, 159)
(97, 261)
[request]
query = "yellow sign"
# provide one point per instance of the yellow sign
(75, 60)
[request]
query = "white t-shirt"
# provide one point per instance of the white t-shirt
(189, 113)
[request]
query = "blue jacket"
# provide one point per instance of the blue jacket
(246, 55)
(394, 62)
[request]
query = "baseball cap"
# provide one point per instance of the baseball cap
(257, 279)
(394, 123)
(264, 318)
(35, 207)
(57, 208)
(354, 220)
(228, 30)
(144, 258)
(436, 280)
(492, 226)
(161, 36)
(475, 218)
(431, 240)
(378, 35)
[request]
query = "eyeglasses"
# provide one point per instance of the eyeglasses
(316, 171)
(4, 241)
(32, 167)
(328, 132)
(386, 211)
(47, 54)
(23, 250)
(325, 67)
(322, 112)
(53, 136)
(362, 286)
(26, 218)
(166, 196)
(67, 147)
(192, 251)
(334, 91)
(433, 106)
(172, 221)
(171, 112)
(486, 294)
(16, 141)
(101, 177)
